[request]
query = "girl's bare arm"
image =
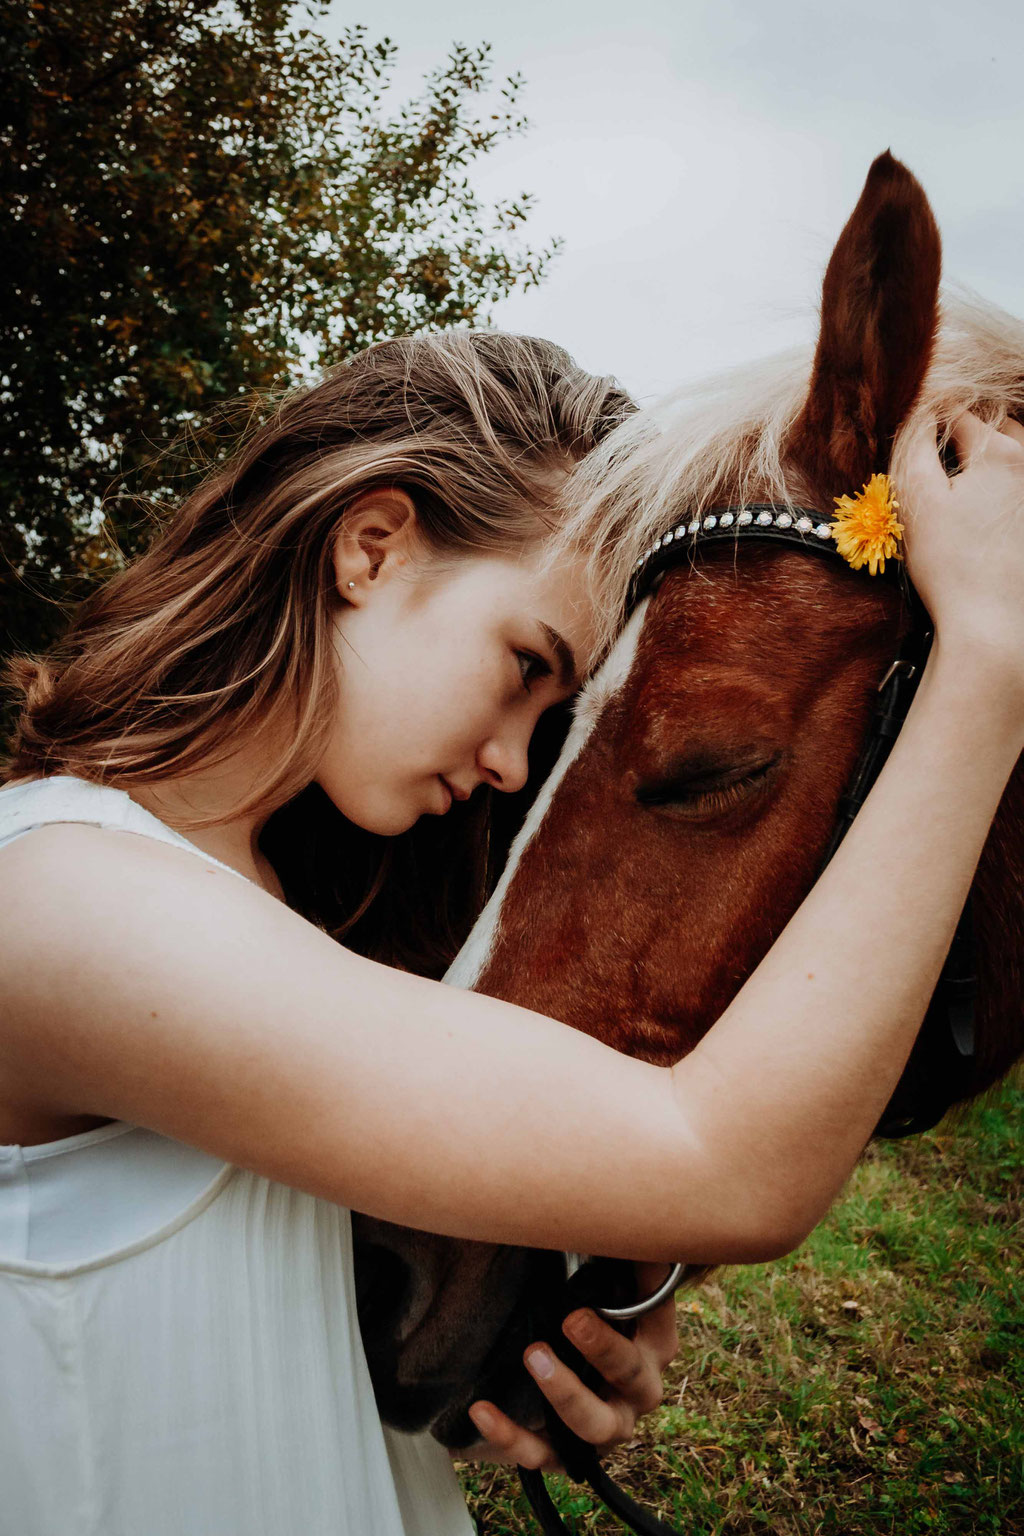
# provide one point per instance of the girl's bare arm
(158, 990)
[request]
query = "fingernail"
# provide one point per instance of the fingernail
(580, 1327)
(483, 1420)
(540, 1363)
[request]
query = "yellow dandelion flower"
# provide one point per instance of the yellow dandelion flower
(865, 528)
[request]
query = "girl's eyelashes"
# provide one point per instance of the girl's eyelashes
(531, 667)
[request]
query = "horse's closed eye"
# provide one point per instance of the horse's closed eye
(699, 794)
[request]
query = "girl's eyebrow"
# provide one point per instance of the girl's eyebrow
(566, 676)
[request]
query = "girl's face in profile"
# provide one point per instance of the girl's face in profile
(444, 669)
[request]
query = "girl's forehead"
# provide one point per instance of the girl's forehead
(550, 598)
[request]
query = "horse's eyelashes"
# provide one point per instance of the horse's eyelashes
(705, 791)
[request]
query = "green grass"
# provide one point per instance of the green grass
(871, 1382)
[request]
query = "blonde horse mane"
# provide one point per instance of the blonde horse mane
(725, 438)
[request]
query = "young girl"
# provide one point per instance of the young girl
(352, 627)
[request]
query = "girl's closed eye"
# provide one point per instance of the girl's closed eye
(531, 668)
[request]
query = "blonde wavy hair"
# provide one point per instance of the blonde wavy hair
(223, 626)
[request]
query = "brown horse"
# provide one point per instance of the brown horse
(698, 786)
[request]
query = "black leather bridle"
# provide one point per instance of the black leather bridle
(943, 1052)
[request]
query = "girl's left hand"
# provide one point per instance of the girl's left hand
(631, 1367)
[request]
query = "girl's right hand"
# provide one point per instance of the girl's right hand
(965, 541)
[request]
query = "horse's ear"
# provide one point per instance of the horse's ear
(879, 311)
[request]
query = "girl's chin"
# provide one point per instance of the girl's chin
(390, 820)
(383, 819)
(387, 824)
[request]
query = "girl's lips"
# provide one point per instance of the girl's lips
(448, 793)
(453, 789)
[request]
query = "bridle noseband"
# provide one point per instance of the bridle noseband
(945, 1042)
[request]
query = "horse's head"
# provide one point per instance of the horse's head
(698, 787)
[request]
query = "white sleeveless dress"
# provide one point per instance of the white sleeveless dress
(179, 1351)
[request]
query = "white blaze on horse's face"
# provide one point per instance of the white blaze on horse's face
(593, 700)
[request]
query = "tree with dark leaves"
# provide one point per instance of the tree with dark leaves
(202, 203)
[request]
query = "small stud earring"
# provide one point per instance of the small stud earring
(351, 586)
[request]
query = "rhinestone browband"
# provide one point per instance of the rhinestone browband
(799, 527)
(740, 517)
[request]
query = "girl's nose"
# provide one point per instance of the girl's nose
(503, 761)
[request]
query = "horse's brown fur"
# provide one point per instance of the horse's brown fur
(636, 923)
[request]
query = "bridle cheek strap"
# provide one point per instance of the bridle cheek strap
(943, 1053)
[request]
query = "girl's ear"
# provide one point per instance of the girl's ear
(879, 312)
(377, 534)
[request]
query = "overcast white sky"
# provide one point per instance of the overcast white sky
(699, 157)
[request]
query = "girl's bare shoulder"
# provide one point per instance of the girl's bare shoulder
(75, 892)
(108, 936)
(63, 879)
